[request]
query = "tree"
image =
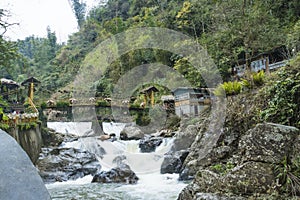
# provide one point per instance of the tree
(79, 9)
(244, 29)
(8, 50)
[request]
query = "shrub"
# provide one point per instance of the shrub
(103, 103)
(288, 173)
(43, 105)
(230, 88)
(283, 94)
(258, 78)
(62, 104)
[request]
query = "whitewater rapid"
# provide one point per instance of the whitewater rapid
(151, 185)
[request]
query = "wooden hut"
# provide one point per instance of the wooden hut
(190, 101)
(30, 82)
(8, 88)
(149, 94)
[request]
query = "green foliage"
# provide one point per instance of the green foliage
(258, 78)
(142, 119)
(293, 38)
(3, 120)
(230, 88)
(246, 84)
(283, 93)
(288, 173)
(229, 30)
(222, 168)
(43, 105)
(62, 104)
(173, 122)
(79, 10)
(27, 126)
(103, 103)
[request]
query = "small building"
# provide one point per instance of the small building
(9, 89)
(272, 60)
(190, 101)
(149, 94)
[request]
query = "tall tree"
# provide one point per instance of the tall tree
(79, 9)
(8, 50)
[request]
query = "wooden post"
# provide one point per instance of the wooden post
(152, 98)
(267, 66)
(31, 91)
(145, 99)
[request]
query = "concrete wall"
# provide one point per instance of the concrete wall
(30, 140)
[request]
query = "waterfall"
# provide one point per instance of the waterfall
(75, 128)
(112, 127)
(140, 163)
(151, 185)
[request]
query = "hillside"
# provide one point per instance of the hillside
(230, 31)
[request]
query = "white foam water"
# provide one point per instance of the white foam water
(151, 185)
(75, 128)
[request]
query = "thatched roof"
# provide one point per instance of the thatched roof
(30, 80)
(149, 89)
(9, 83)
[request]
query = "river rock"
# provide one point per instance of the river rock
(257, 151)
(149, 144)
(131, 133)
(245, 179)
(62, 164)
(184, 138)
(19, 179)
(51, 138)
(173, 162)
(120, 174)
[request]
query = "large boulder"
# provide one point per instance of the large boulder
(19, 179)
(172, 163)
(51, 138)
(131, 133)
(62, 164)
(174, 159)
(246, 179)
(149, 144)
(253, 156)
(268, 142)
(120, 174)
(184, 139)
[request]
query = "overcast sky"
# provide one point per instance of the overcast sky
(35, 15)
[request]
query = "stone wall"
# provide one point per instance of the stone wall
(29, 139)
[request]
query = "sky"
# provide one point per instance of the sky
(34, 16)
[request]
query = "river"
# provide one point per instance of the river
(151, 185)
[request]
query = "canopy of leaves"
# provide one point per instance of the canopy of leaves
(229, 30)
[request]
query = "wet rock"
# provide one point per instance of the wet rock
(62, 164)
(173, 162)
(120, 174)
(19, 179)
(149, 144)
(131, 133)
(166, 133)
(184, 139)
(195, 160)
(51, 138)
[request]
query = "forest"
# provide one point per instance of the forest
(229, 30)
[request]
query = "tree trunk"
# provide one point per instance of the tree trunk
(267, 66)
